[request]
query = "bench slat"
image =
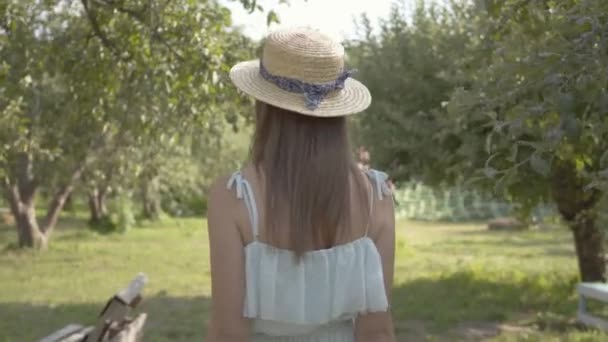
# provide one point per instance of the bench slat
(115, 310)
(132, 332)
(134, 289)
(79, 336)
(597, 322)
(62, 333)
(113, 316)
(598, 291)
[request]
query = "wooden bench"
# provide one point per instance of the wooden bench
(597, 291)
(113, 323)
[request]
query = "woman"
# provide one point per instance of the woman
(302, 240)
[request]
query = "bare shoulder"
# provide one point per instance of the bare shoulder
(219, 188)
(220, 198)
(383, 209)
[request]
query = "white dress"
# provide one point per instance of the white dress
(317, 298)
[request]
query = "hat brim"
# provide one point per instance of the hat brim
(354, 98)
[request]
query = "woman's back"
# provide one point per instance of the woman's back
(302, 241)
(360, 221)
(315, 296)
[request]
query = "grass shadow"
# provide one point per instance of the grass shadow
(466, 296)
(169, 318)
(557, 248)
(534, 242)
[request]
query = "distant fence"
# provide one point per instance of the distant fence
(418, 202)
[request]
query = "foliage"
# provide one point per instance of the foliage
(122, 213)
(411, 68)
(545, 105)
(185, 180)
(468, 87)
(253, 5)
(120, 217)
(545, 101)
(87, 85)
(502, 95)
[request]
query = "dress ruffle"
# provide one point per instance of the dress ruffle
(322, 287)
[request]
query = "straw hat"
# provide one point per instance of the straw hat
(302, 70)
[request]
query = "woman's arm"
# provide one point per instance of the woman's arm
(227, 268)
(378, 327)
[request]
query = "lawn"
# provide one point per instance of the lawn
(453, 282)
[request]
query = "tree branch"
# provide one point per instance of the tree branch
(139, 17)
(59, 199)
(26, 184)
(4, 26)
(12, 195)
(170, 47)
(105, 41)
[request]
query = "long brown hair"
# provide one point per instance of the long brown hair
(308, 165)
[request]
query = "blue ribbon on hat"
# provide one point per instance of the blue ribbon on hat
(313, 93)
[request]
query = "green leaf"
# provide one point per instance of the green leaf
(553, 79)
(593, 185)
(566, 103)
(604, 159)
(604, 104)
(539, 165)
(516, 128)
(513, 153)
(490, 172)
(570, 125)
(272, 17)
(554, 135)
(488, 145)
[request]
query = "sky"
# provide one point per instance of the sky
(333, 17)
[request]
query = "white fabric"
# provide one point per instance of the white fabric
(245, 192)
(335, 332)
(379, 178)
(314, 298)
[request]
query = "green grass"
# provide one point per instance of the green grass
(452, 282)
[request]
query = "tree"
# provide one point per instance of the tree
(411, 66)
(34, 93)
(526, 115)
(82, 80)
(546, 103)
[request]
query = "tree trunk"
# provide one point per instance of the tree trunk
(28, 231)
(56, 205)
(69, 204)
(24, 212)
(97, 205)
(22, 198)
(578, 207)
(589, 242)
(151, 198)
